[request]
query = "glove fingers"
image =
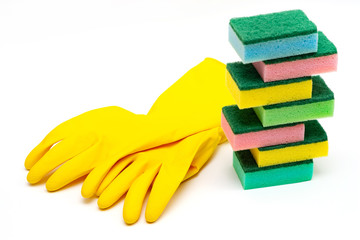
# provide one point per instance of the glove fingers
(95, 177)
(59, 131)
(61, 152)
(173, 172)
(165, 185)
(121, 184)
(54, 136)
(39, 151)
(75, 168)
(135, 196)
(114, 172)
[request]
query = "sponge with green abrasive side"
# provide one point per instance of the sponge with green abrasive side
(244, 130)
(314, 145)
(249, 90)
(251, 176)
(319, 106)
(274, 35)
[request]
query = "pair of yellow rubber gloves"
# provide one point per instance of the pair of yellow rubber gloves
(125, 153)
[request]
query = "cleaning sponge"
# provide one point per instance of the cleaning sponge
(314, 145)
(251, 176)
(319, 106)
(249, 90)
(324, 60)
(244, 130)
(274, 35)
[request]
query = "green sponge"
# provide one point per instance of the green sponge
(251, 176)
(273, 26)
(319, 106)
(272, 36)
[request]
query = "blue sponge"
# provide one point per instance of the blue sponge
(272, 36)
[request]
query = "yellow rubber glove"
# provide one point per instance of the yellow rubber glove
(94, 141)
(82, 143)
(191, 105)
(165, 166)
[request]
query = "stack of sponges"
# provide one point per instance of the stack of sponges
(273, 128)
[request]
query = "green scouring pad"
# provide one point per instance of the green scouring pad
(319, 106)
(274, 35)
(251, 176)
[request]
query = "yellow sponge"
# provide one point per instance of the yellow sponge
(249, 90)
(314, 145)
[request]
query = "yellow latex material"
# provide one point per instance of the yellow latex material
(84, 141)
(94, 141)
(290, 154)
(165, 166)
(191, 105)
(269, 95)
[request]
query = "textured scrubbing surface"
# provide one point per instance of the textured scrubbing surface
(244, 130)
(272, 26)
(246, 77)
(271, 36)
(325, 48)
(251, 176)
(320, 105)
(314, 145)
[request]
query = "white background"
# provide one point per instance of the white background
(61, 58)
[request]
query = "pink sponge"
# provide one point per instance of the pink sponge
(244, 130)
(324, 60)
